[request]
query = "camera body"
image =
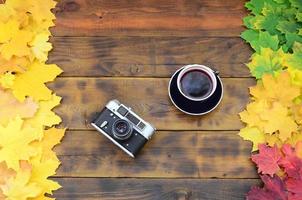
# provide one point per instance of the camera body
(123, 127)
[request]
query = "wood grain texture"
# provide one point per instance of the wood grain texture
(127, 50)
(153, 189)
(178, 154)
(148, 56)
(220, 18)
(84, 97)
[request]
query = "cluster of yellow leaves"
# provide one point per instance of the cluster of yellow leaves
(275, 114)
(27, 140)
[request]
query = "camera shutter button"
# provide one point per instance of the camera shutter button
(104, 124)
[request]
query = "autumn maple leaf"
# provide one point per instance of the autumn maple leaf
(267, 159)
(44, 115)
(257, 193)
(278, 88)
(20, 187)
(277, 119)
(31, 83)
(14, 136)
(274, 189)
(253, 134)
(294, 186)
(11, 107)
(291, 164)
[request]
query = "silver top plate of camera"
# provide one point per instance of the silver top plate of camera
(126, 113)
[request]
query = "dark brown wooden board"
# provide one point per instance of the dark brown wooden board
(148, 56)
(153, 189)
(169, 154)
(220, 18)
(128, 50)
(84, 97)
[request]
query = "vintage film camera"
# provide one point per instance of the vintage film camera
(123, 127)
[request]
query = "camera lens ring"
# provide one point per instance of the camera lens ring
(122, 129)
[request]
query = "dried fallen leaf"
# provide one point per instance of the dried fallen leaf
(267, 159)
(16, 137)
(11, 107)
(32, 82)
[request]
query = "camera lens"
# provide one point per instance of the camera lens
(121, 129)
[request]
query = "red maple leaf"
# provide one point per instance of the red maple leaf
(275, 185)
(294, 197)
(291, 163)
(267, 159)
(294, 186)
(257, 193)
(273, 189)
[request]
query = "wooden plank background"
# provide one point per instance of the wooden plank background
(109, 49)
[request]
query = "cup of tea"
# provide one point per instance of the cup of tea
(196, 82)
(195, 89)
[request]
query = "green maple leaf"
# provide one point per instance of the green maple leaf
(275, 31)
(288, 26)
(247, 21)
(260, 40)
(267, 61)
(289, 13)
(296, 3)
(294, 60)
(256, 6)
(281, 1)
(291, 38)
(299, 16)
(267, 23)
(273, 8)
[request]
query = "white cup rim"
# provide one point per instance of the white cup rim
(204, 68)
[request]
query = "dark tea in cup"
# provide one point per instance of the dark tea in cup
(197, 82)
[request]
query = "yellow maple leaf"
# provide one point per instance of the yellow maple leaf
(11, 108)
(42, 197)
(6, 12)
(296, 76)
(279, 88)
(296, 111)
(14, 64)
(294, 139)
(42, 11)
(40, 46)
(41, 170)
(44, 115)
(277, 119)
(254, 135)
(7, 80)
(20, 187)
(31, 83)
(17, 45)
(38, 11)
(5, 175)
(298, 148)
(51, 138)
(8, 29)
(251, 115)
(273, 139)
(15, 137)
